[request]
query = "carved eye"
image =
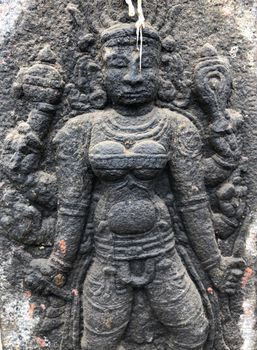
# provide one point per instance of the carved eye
(118, 63)
(148, 62)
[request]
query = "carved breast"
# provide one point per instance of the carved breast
(111, 160)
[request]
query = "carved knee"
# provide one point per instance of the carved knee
(191, 337)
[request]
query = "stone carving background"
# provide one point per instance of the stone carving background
(229, 26)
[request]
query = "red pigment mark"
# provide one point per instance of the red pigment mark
(63, 246)
(248, 312)
(226, 11)
(75, 292)
(247, 276)
(43, 307)
(31, 309)
(27, 294)
(41, 342)
(210, 290)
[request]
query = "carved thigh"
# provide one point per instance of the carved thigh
(177, 303)
(106, 309)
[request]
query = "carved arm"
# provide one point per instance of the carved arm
(188, 184)
(23, 148)
(74, 181)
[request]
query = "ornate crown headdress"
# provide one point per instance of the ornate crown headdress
(102, 14)
(110, 22)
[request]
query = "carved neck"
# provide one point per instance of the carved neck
(134, 111)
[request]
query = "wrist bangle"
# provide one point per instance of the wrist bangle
(211, 263)
(59, 264)
(227, 164)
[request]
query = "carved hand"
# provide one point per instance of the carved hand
(226, 144)
(227, 276)
(231, 199)
(43, 278)
(42, 82)
(21, 152)
(46, 89)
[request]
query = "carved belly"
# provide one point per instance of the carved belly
(132, 217)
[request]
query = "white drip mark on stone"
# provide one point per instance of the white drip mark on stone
(132, 11)
(140, 24)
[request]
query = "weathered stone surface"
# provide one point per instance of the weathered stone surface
(51, 67)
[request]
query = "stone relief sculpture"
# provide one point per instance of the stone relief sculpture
(146, 205)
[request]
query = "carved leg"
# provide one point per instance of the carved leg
(177, 304)
(106, 309)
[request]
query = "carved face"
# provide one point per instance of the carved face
(125, 83)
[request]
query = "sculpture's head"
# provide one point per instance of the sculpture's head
(128, 82)
(117, 73)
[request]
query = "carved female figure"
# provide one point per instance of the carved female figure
(126, 148)
(122, 152)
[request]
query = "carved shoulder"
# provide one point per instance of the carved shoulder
(72, 167)
(185, 137)
(76, 130)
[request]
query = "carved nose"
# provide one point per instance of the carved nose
(133, 78)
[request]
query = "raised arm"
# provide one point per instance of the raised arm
(189, 189)
(23, 148)
(74, 181)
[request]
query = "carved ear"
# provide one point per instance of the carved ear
(98, 99)
(175, 85)
(87, 89)
(167, 91)
(98, 96)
